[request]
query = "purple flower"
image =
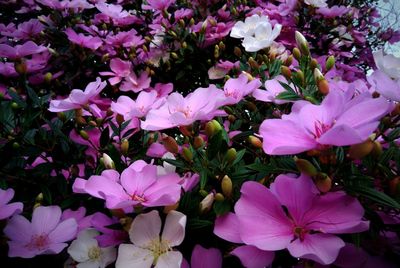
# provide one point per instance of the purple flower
(205, 258)
(83, 40)
(307, 227)
(20, 51)
(235, 89)
(337, 121)
(46, 234)
(7, 210)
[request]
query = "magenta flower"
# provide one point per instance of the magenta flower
(20, 51)
(226, 227)
(307, 227)
(235, 89)
(273, 89)
(7, 210)
(138, 184)
(386, 86)
(125, 39)
(78, 98)
(46, 234)
(337, 121)
(158, 4)
(134, 83)
(205, 258)
(202, 104)
(120, 69)
(83, 40)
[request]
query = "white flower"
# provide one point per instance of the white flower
(148, 247)
(85, 250)
(257, 32)
(264, 36)
(388, 64)
(247, 28)
(316, 3)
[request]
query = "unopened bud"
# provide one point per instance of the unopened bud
(170, 144)
(206, 204)
(358, 151)
(181, 23)
(219, 197)
(126, 223)
(300, 76)
(255, 142)
(92, 123)
(184, 44)
(330, 62)
(212, 128)
(323, 87)
(124, 147)
(187, 154)
(108, 162)
(80, 120)
(296, 53)
(313, 64)
(198, 142)
(286, 72)
(204, 27)
(289, 61)
(231, 118)
(20, 67)
(318, 75)
(221, 45)
(61, 116)
(191, 21)
(306, 167)
(47, 77)
(323, 182)
(231, 155)
(84, 135)
(174, 55)
(253, 63)
(186, 130)
(237, 51)
(120, 119)
(226, 186)
(302, 43)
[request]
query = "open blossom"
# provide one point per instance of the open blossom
(226, 227)
(258, 32)
(119, 70)
(135, 83)
(386, 86)
(158, 4)
(20, 51)
(139, 184)
(273, 89)
(78, 98)
(46, 234)
(316, 3)
(8, 209)
(235, 89)
(307, 227)
(202, 104)
(337, 121)
(83, 40)
(86, 251)
(388, 64)
(148, 247)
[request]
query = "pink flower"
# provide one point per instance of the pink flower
(134, 83)
(337, 121)
(386, 86)
(158, 4)
(205, 258)
(7, 210)
(148, 247)
(83, 40)
(46, 234)
(202, 104)
(273, 89)
(235, 89)
(138, 184)
(20, 51)
(120, 69)
(307, 227)
(78, 98)
(226, 227)
(125, 39)
(109, 237)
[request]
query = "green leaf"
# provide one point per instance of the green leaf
(203, 178)
(374, 195)
(198, 224)
(177, 163)
(239, 156)
(287, 95)
(221, 208)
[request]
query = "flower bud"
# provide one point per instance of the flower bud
(108, 162)
(92, 123)
(219, 197)
(203, 193)
(288, 61)
(286, 72)
(302, 43)
(221, 45)
(186, 130)
(300, 76)
(204, 26)
(330, 62)
(181, 23)
(198, 142)
(237, 51)
(255, 142)
(124, 147)
(323, 182)
(323, 87)
(212, 128)
(358, 151)
(313, 64)
(306, 167)
(174, 55)
(253, 63)
(187, 154)
(126, 223)
(296, 53)
(191, 22)
(84, 135)
(318, 75)
(170, 144)
(226, 186)
(377, 150)
(231, 118)
(206, 204)
(231, 155)
(20, 67)
(47, 77)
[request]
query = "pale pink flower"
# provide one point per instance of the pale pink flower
(46, 234)
(235, 89)
(148, 246)
(273, 89)
(134, 83)
(83, 40)
(120, 69)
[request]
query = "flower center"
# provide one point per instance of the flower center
(38, 242)
(320, 128)
(158, 247)
(300, 232)
(94, 253)
(138, 198)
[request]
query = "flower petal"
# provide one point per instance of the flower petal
(145, 228)
(131, 256)
(226, 227)
(45, 219)
(174, 228)
(252, 257)
(206, 258)
(170, 259)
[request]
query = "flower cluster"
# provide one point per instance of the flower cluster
(198, 134)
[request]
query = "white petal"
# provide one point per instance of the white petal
(130, 256)
(174, 229)
(171, 259)
(145, 228)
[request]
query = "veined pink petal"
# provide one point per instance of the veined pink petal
(322, 248)
(274, 230)
(45, 219)
(170, 259)
(226, 227)
(18, 229)
(252, 257)
(132, 256)
(65, 231)
(137, 182)
(341, 135)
